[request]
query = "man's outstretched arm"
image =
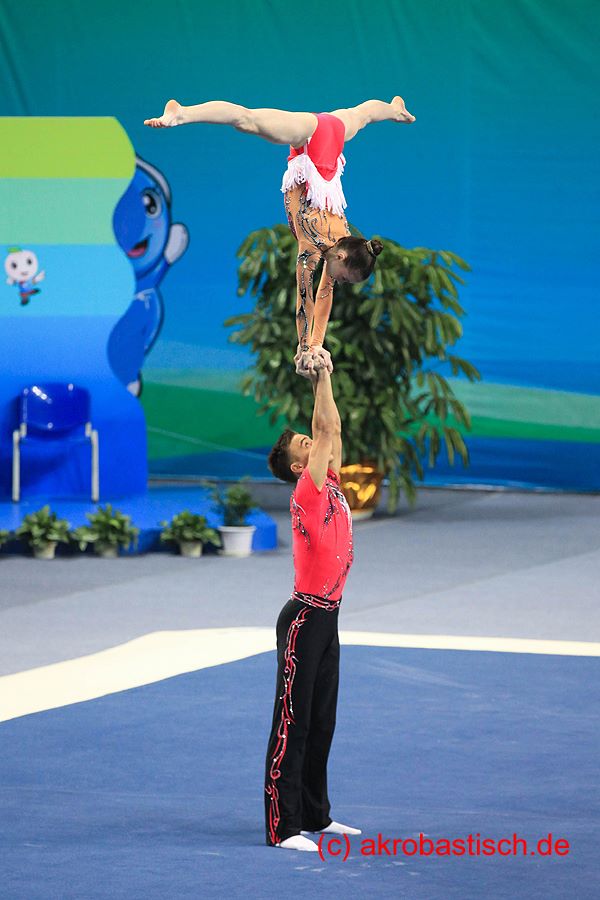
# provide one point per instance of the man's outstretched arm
(325, 412)
(325, 429)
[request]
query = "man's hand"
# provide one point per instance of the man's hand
(308, 362)
(319, 353)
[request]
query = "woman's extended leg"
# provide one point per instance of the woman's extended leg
(276, 125)
(356, 117)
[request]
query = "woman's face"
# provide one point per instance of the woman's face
(336, 266)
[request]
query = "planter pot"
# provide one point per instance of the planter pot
(45, 551)
(107, 551)
(361, 485)
(237, 539)
(191, 549)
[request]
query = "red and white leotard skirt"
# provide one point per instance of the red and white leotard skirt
(320, 164)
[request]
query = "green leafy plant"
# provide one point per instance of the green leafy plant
(5, 536)
(390, 341)
(40, 528)
(107, 528)
(188, 526)
(234, 503)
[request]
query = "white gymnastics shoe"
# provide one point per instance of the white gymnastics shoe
(335, 828)
(297, 842)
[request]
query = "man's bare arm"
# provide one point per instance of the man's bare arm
(325, 414)
(336, 442)
(325, 429)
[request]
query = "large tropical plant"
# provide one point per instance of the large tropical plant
(390, 340)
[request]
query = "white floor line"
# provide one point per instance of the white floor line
(163, 654)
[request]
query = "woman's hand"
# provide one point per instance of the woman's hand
(305, 364)
(308, 362)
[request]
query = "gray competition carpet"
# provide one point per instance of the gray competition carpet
(461, 563)
(136, 697)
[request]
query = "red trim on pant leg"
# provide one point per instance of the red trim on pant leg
(287, 718)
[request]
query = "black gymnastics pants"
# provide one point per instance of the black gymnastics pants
(308, 657)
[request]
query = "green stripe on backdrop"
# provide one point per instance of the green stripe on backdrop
(202, 418)
(530, 431)
(60, 147)
(198, 417)
(59, 210)
(564, 409)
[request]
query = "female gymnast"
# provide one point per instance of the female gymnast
(313, 197)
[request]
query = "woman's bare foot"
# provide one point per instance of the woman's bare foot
(401, 114)
(171, 116)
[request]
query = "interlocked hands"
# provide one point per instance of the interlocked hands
(308, 362)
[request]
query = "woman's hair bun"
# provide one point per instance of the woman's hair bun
(376, 246)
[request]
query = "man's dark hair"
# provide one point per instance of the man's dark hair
(280, 458)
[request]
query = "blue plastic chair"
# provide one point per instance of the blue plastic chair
(54, 411)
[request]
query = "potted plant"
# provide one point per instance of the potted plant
(43, 530)
(5, 537)
(390, 340)
(234, 504)
(108, 531)
(190, 532)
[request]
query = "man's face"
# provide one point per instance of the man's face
(300, 451)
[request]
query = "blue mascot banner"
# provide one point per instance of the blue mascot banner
(143, 228)
(68, 286)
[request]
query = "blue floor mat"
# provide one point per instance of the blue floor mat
(156, 792)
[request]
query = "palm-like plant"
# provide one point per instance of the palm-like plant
(389, 337)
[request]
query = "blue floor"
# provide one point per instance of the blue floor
(156, 792)
(146, 510)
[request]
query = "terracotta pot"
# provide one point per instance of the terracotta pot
(361, 485)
